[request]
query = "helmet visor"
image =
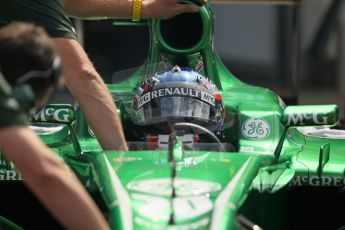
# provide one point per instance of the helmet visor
(175, 104)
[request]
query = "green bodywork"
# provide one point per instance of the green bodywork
(272, 151)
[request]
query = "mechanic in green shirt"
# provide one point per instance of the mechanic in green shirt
(80, 75)
(31, 71)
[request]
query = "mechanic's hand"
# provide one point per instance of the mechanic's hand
(165, 9)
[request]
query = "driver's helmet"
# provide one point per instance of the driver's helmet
(179, 95)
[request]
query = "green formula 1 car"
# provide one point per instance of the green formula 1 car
(207, 151)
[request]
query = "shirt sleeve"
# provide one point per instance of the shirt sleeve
(50, 14)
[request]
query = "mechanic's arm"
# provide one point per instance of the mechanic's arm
(52, 182)
(92, 94)
(162, 9)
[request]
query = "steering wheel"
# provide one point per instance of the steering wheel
(196, 129)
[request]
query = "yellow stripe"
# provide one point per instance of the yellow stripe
(136, 10)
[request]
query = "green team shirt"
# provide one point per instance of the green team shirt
(49, 14)
(10, 112)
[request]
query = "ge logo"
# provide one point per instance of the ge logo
(255, 128)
